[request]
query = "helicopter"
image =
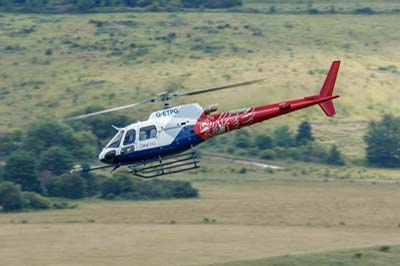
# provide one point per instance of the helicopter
(164, 144)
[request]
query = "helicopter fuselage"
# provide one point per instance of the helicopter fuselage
(169, 132)
(166, 132)
(180, 128)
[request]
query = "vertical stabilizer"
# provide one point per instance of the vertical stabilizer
(327, 89)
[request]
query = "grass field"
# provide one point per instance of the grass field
(237, 217)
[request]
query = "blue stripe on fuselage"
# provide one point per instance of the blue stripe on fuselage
(183, 141)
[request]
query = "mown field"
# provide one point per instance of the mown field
(237, 217)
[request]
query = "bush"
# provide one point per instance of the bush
(365, 11)
(11, 196)
(267, 154)
(124, 187)
(36, 201)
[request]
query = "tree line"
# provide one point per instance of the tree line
(91, 5)
(281, 143)
(382, 140)
(37, 162)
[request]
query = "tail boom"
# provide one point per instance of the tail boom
(211, 125)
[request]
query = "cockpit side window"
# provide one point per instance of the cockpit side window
(114, 143)
(130, 137)
(148, 132)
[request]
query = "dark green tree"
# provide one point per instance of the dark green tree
(192, 3)
(86, 5)
(242, 139)
(101, 125)
(242, 142)
(11, 196)
(56, 160)
(335, 156)
(130, 3)
(283, 137)
(304, 133)
(42, 135)
(263, 141)
(383, 141)
(221, 3)
(144, 3)
(10, 142)
(210, 3)
(20, 169)
(109, 186)
(85, 145)
(72, 186)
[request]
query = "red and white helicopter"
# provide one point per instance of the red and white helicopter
(159, 145)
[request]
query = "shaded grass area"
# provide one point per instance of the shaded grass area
(378, 256)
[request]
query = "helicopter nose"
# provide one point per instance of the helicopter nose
(107, 156)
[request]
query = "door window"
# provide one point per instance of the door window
(130, 137)
(148, 132)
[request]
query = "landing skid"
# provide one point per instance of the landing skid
(166, 165)
(155, 167)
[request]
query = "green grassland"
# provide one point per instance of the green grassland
(52, 65)
(322, 5)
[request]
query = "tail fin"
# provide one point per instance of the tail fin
(327, 89)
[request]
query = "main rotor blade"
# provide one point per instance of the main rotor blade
(219, 88)
(109, 110)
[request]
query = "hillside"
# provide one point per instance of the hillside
(52, 65)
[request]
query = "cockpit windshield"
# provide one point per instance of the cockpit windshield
(116, 140)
